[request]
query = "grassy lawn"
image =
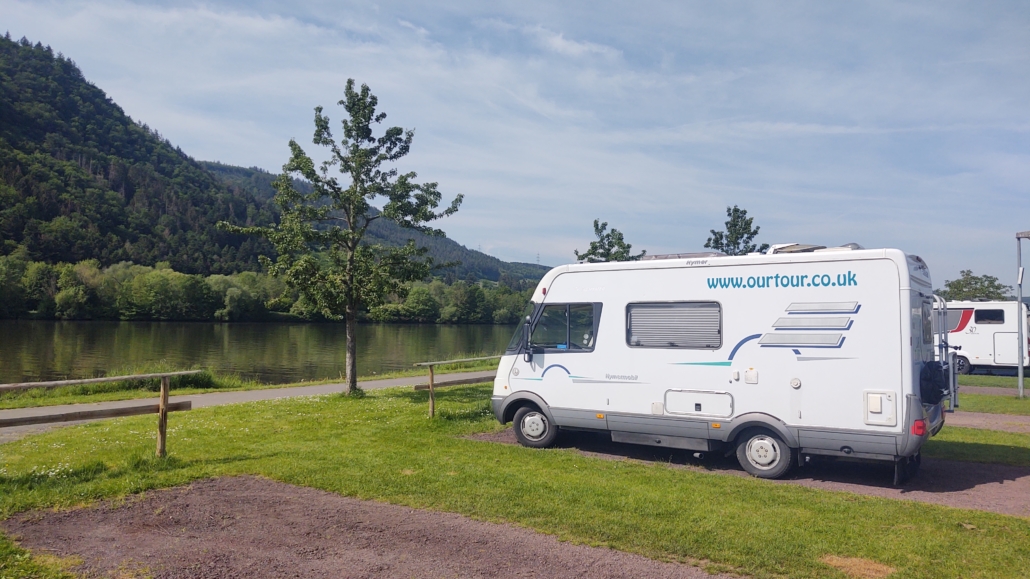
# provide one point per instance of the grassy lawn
(975, 445)
(994, 404)
(995, 381)
(383, 447)
(183, 385)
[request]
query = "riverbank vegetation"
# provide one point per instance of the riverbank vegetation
(382, 447)
(126, 291)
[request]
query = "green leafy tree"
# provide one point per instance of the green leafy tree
(420, 306)
(40, 282)
(972, 287)
(319, 237)
(610, 246)
(739, 236)
(12, 292)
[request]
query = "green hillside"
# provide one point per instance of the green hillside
(80, 179)
(258, 183)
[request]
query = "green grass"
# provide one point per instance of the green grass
(198, 384)
(976, 445)
(382, 447)
(994, 404)
(992, 381)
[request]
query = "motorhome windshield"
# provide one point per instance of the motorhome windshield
(516, 338)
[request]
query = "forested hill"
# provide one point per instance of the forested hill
(79, 179)
(258, 183)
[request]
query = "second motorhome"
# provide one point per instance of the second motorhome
(985, 335)
(772, 357)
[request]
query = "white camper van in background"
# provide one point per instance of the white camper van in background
(802, 351)
(985, 334)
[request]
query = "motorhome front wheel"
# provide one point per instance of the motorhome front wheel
(533, 429)
(764, 455)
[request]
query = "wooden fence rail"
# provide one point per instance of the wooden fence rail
(430, 387)
(162, 408)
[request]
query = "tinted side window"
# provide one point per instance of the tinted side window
(927, 320)
(674, 325)
(989, 316)
(566, 327)
(552, 328)
(581, 326)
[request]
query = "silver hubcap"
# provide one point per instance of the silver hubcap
(763, 452)
(534, 425)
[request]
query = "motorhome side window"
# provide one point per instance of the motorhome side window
(695, 325)
(566, 327)
(990, 316)
(926, 317)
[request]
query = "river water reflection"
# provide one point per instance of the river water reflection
(270, 352)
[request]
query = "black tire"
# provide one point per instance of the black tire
(962, 365)
(533, 429)
(764, 454)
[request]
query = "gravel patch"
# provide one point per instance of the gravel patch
(255, 528)
(969, 485)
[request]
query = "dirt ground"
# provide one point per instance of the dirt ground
(987, 487)
(254, 528)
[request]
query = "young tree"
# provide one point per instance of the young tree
(738, 237)
(610, 246)
(319, 236)
(971, 287)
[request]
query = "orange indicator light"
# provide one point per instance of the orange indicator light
(716, 425)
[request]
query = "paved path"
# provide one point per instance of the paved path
(1002, 422)
(220, 398)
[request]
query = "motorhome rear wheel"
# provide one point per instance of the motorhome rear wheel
(532, 428)
(763, 454)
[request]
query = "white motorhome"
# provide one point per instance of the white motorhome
(985, 334)
(801, 351)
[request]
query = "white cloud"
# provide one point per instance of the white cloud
(556, 42)
(885, 124)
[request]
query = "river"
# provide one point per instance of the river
(269, 352)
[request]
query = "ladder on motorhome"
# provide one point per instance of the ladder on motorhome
(946, 353)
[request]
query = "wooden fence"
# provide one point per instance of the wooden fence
(430, 386)
(162, 408)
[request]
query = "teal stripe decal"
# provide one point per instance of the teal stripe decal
(702, 363)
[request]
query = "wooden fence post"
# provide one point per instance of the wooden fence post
(432, 395)
(162, 417)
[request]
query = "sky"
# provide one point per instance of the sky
(889, 124)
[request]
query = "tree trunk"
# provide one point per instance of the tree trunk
(352, 350)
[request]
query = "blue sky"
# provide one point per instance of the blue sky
(890, 124)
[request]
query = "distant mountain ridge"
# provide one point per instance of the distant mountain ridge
(258, 184)
(80, 179)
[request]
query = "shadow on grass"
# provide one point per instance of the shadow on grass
(48, 476)
(978, 452)
(947, 466)
(136, 464)
(455, 394)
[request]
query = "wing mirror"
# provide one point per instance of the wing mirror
(527, 351)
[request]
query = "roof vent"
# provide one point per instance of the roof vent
(795, 248)
(684, 255)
